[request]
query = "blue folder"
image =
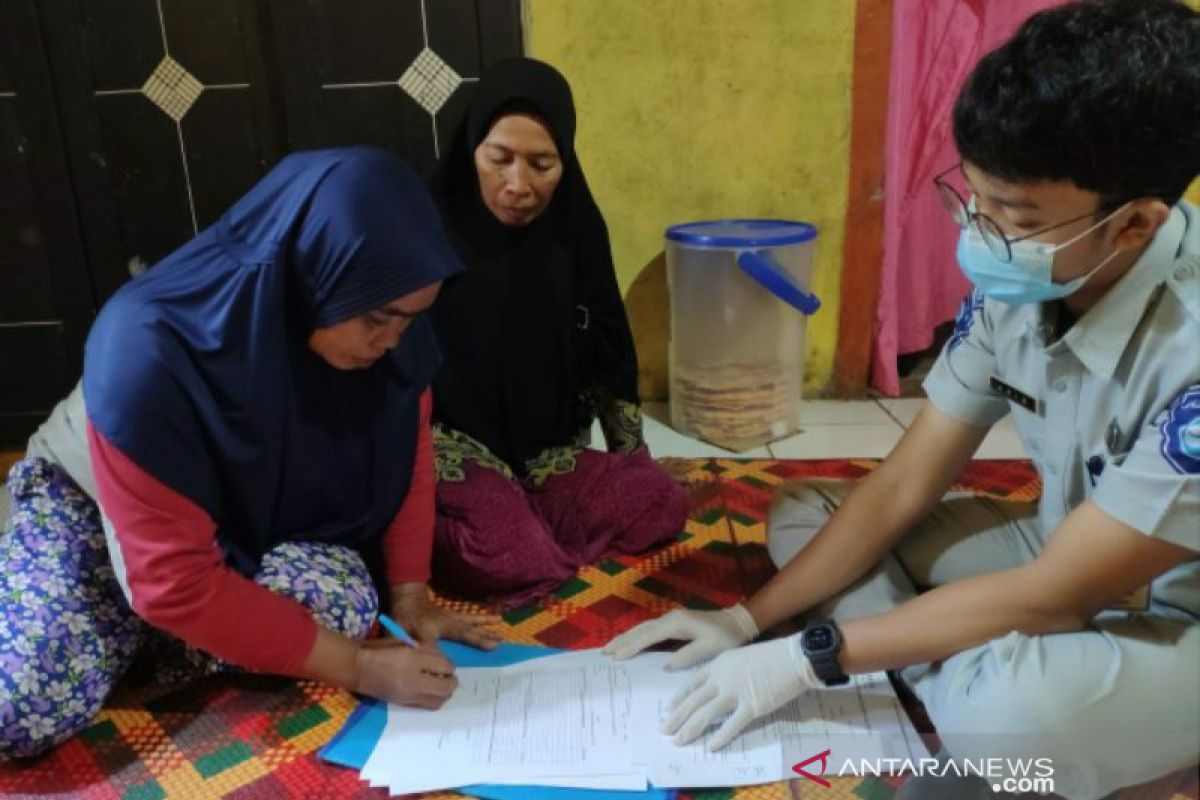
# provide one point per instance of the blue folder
(352, 745)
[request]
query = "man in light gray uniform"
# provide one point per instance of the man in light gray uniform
(1067, 630)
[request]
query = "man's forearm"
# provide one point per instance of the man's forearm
(956, 617)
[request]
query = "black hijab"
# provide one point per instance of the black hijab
(536, 319)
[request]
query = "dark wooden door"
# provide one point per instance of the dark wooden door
(164, 112)
(168, 118)
(394, 73)
(45, 293)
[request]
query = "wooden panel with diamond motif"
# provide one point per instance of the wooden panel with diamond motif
(153, 116)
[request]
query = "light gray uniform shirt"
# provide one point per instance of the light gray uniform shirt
(1110, 411)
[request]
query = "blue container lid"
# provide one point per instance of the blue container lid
(742, 233)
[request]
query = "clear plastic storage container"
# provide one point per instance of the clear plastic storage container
(738, 307)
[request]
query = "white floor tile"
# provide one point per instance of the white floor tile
(902, 409)
(665, 441)
(842, 412)
(831, 429)
(840, 441)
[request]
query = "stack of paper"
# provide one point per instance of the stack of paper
(583, 720)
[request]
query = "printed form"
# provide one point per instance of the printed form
(583, 720)
(560, 720)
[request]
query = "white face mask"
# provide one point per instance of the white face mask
(1028, 277)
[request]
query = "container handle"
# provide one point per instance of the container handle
(768, 274)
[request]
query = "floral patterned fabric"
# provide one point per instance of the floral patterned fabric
(513, 541)
(452, 449)
(67, 634)
(620, 421)
(510, 537)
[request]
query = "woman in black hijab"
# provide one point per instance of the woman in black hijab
(537, 346)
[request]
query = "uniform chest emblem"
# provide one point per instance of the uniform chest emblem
(1180, 430)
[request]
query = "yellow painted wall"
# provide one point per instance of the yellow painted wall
(695, 109)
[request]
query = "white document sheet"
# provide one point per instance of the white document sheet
(862, 720)
(528, 723)
(751, 758)
(582, 720)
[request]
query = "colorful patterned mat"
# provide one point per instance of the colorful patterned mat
(256, 737)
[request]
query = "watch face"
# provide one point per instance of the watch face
(818, 639)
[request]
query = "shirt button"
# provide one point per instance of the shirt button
(1112, 437)
(1060, 386)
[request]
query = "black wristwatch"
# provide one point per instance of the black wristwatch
(822, 643)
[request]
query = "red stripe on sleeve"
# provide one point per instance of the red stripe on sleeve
(408, 543)
(178, 578)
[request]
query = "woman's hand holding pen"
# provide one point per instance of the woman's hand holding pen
(385, 669)
(400, 668)
(391, 670)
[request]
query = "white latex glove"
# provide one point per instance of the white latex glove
(708, 632)
(746, 684)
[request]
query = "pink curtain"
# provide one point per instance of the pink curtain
(935, 43)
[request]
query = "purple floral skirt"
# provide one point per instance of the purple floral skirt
(67, 635)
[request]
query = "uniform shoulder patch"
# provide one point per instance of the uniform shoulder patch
(972, 305)
(1181, 432)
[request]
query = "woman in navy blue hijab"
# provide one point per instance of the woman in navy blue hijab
(251, 431)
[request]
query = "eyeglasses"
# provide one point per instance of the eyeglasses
(985, 226)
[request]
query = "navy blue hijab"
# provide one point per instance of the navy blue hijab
(200, 371)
